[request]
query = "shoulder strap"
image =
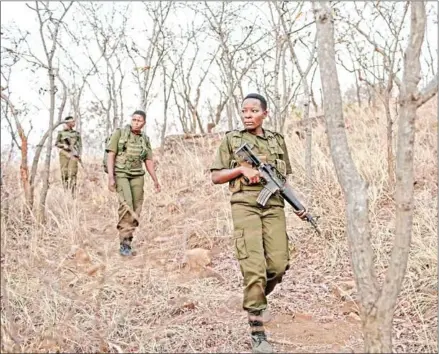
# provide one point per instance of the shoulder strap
(145, 137)
(279, 137)
(125, 133)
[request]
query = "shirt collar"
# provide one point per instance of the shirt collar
(258, 136)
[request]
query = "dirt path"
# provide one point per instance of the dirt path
(204, 304)
(71, 291)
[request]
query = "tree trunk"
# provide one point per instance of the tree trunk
(377, 308)
(314, 103)
(181, 112)
(308, 143)
(390, 156)
(286, 91)
(46, 171)
(377, 337)
(409, 96)
(121, 116)
(36, 159)
(369, 97)
(229, 111)
(357, 87)
(277, 97)
(165, 112)
(24, 168)
(198, 118)
(354, 188)
(114, 99)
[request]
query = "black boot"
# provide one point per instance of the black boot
(125, 247)
(258, 336)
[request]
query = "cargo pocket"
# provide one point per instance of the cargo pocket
(239, 246)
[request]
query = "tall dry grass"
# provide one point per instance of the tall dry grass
(65, 287)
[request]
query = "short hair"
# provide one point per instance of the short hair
(140, 113)
(69, 118)
(258, 97)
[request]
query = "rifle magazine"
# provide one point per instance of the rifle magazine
(263, 197)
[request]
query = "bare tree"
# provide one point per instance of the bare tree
(303, 72)
(28, 178)
(167, 39)
(78, 77)
(377, 304)
(187, 77)
(281, 87)
(24, 168)
(9, 60)
(109, 38)
(390, 52)
(182, 110)
(146, 60)
(236, 58)
(49, 27)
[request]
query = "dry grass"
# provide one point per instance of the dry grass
(65, 287)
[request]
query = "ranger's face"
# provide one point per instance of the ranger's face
(252, 114)
(137, 122)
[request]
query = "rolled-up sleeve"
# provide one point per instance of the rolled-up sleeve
(113, 142)
(222, 158)
(286, 159)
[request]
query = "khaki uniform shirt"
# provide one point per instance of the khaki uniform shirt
(74, 138)
(272, 145)
(129, 162)
(270, 148)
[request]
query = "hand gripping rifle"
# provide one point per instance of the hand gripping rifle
(273, 182)
(73, 153)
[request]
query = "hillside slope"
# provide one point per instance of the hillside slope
(65, 287)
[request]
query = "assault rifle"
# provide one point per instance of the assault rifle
(273, 182)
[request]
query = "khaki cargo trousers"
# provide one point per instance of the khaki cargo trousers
(69, 171)
(130, 190)
(260, 244)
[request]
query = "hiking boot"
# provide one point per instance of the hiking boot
(260, 343)
(125, 250)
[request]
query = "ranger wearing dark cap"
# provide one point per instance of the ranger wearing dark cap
(260, 240)
(70, 147)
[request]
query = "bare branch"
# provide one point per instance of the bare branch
(428, 92)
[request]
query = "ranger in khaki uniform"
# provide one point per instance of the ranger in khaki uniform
(70, 145)
(128, 149)
(260, 240)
